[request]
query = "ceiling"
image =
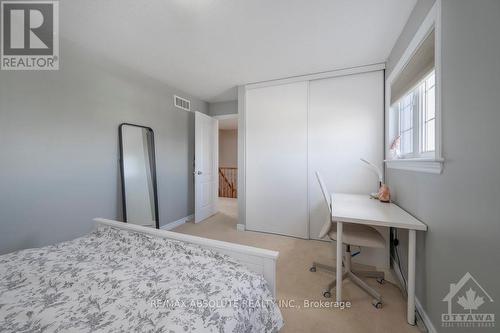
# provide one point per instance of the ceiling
(207, 47)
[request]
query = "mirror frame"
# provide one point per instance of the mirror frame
(153, 171)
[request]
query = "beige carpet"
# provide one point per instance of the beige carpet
(295, 282)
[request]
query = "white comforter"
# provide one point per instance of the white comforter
(120, 281)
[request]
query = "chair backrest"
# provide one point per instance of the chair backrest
(328, 224)
(326, 194)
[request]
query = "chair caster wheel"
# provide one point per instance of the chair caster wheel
(327, 294)
(381, 280)
(312, 269)
(377, 304)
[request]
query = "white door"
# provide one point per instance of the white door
(276, 159)
(346, 123)
(346, 119)
(206, 180)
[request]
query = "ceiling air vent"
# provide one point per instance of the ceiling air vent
(182, 103)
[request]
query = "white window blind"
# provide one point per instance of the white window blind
(419, 66)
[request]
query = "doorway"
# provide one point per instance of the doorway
(228, 157)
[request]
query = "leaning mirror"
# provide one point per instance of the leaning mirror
(138, 175)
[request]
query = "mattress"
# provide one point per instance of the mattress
(114, 280)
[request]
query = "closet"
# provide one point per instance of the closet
(295, 127)
(276, 159)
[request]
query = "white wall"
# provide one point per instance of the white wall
(223, 108)
(59, 147)
(460, 206)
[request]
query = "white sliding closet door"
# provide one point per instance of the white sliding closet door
(345, 124)
(276, 159)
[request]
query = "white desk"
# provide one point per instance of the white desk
(353, 208)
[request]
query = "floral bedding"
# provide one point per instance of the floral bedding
(114, 280)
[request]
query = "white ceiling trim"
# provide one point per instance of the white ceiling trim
(318, 76)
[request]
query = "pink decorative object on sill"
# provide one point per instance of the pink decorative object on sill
(384, 194)
(394, 149)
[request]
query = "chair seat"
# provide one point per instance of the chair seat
(358, 235)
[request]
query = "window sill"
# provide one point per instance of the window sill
(426, 165)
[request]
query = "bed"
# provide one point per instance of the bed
(127, 278)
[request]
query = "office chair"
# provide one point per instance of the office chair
(353, 235)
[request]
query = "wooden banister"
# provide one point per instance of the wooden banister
(228, 177)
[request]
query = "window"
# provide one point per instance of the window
(413, 107)
(429, 114)
(406, 133)
(416, 112)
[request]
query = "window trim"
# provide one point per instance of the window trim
(427, 165)
(429, 162)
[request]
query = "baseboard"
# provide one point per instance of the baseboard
(175, 224)
(240, 227)
(418, 306)
(425, 318)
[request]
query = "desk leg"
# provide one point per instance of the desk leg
(411, 276)
(339, 272)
